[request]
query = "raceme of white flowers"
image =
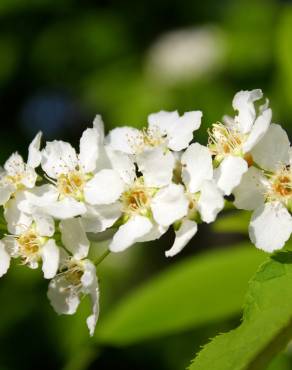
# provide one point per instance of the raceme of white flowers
(139, 183)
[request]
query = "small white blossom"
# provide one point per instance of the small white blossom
(32, 243)
(77, 180)
(77, 274)
(144, 211)
(231, 143)
(18, 175)
(204, 196)
(152, 147)
(268, 191)
(147, 212)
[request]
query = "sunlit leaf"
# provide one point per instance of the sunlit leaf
(280, 362)
(196, 291)
(284, 54)
(266, 326)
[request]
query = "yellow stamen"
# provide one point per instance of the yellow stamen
(224, 141)
(137, 199)
(280, 185)
(148, 137)
(72, 184)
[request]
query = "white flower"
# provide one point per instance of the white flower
(152, 147)
(18, 175)
(99, 217)
(144, 210)
(268, 191)
(231, 143)
(32, 243)
(164, 128)
(148, 212)
(77, 179)
(77, 274)
(204, 196)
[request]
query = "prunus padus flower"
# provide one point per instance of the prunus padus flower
(134, 185)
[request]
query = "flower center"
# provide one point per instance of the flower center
(72, 184)
(137, 199)
(15, 180)
(30, 244)
(74, 275)
(148, 137)
(72, 271)
(224, 141)
(281, 185)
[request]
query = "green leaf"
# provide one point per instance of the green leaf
(283, 54)
(280, 362)
(193, 292)
(267, 322)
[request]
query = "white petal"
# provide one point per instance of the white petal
(62, 298)
(228, 122)
(243, 102)
(89, 150)
(156, 165)
(99, 218)
(182, 131)
(123, 139)
(74, 237)
(99, 126)
(270, 226)
(169, 205)
(163, 121)
(136, 227)
(197, 166)
(17, 221)
(30, 177)
(90, 284)
(38, 197)
(155, 233)
(89, 276)
(45, 224)
(4, 259)
(122, 163)
(211, 201)
(258, 130)
(11, 245)
(105, 187)
(183, 235)
(228, 175)
(58, 157)
(14, 165)
(290, 156)
(273, 148)
(249, 195)
(51, 257)
(34, 153)
(5, 193)
(65, 208)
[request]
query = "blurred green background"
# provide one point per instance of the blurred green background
(63, 62)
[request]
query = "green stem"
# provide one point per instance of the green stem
(102, 257)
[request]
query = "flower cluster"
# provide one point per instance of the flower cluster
(139, 183)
